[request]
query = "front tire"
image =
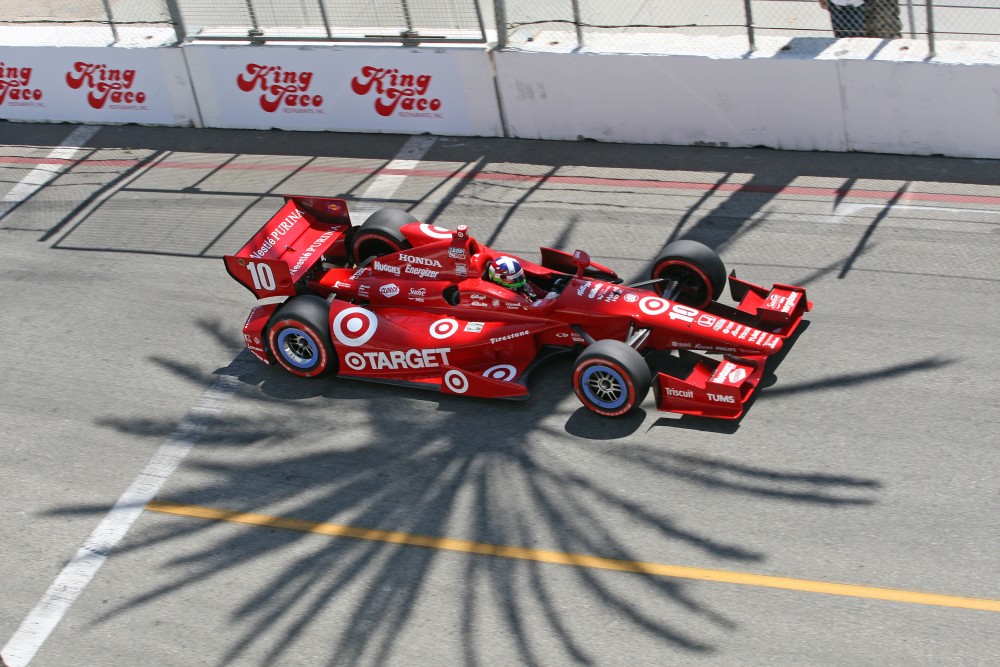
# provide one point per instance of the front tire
(379, 235)
(299, 337)
(697, 269)
(610, 378)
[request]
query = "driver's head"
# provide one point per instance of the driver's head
(507, 271)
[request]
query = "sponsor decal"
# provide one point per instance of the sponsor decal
(790, 302)
(706, 320)
(495, 302)
(394, 90)
(412, 259)
(435, 232)
(360, 272)
(395, 360)
(679, 393)
(418, 291)
(444, 328)
(460, 270)
(420, 272)
(456, 381)
(473, 327)
(106, 86)
(363, 291)
(389, 290)
(721, 398)
(774, 302)
(387, 268)
(478, 304)
(754, 335)
(631, 298)
(721, 323)
(597, 289)
(313, 247)
(499, 339)
(722, 371)
(583, 288)
(504, 372)
(675, 343)
(354, 326)
(15, 86)
(280, 89)
(280, 230)
(456, 253)
(772, 342)
(652, 305)
(737, 376)
(744, 333)
(340, 285)
(479, 297)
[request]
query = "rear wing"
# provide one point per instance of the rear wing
(289, 244)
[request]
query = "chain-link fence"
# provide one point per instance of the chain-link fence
(628, 24)
(650, 25)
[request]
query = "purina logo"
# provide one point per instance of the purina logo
(15, 87)
(397, 92)
(280, 89)
(106, 86)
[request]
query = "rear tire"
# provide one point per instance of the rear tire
(298, 336)
(610, 378)
(379, 235)
(698, 270)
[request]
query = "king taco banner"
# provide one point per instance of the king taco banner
(102, 85)
(381, 90)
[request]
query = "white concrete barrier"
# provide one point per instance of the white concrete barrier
(96, 85)
(446, 91)
(797, 94)
(817, 94)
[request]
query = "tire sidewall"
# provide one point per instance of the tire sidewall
(579, 376)
(621, 360)
(310, 316)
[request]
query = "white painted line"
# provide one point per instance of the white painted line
(44, 173)
(385, 185)
(64, 591)
(851, 209)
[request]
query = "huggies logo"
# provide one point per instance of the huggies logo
(106, 85)
(280, 88)
(406, 92)
(15, 86)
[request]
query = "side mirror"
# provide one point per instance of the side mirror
(581, 261)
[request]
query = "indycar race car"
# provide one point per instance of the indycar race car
(399, 301)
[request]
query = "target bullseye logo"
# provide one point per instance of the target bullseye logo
(456, 382)
(435, 232)
(354, 327)
(652, 305)
(354, 361)
(504, 372)
(444, 328)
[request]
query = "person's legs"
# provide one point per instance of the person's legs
(882, 19)
(848, 21)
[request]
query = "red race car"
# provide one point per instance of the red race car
(395, 300)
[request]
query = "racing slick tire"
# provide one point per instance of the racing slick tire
(379, 234)
(298, 336)
(611, 378)
(698, 270)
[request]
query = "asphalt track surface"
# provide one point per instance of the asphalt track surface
(340, 522)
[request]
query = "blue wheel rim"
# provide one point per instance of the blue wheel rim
(604, 387)
(298, 348)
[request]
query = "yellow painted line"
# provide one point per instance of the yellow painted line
(578, 560)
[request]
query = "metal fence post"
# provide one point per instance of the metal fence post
(930, 28)
(174, 10)
(500, 16)
(748, 11)
(111, 21)
(578, 21)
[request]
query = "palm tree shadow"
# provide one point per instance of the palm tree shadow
(404, 460)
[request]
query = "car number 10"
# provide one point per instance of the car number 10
(682, 313)
(263, 277)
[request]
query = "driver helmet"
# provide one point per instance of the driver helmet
(507, 271)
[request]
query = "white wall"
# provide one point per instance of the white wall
(798, 94)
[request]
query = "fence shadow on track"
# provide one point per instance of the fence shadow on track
(398, 459)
